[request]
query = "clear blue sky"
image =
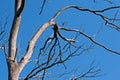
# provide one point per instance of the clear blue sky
(108, 62)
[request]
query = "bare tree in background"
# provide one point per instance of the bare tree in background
(53, 51)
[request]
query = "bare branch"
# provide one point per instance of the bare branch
(91, 39)
(96, 12)
(114, 19)
(19, 5)
(52, 57)
(15, 27)
(42, 7)
(3, 36)
(32, 42)
(58, 59)
(3, 47)
(109, 1)
(90, 73)
(2, 28)
(54, 51)
(81, 9)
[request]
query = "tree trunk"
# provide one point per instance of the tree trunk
(13, 70)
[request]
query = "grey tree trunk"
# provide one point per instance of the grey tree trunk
(13, 71)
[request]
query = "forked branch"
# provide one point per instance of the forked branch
(53, 58)
(32, 42)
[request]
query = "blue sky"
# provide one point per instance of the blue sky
(108, 62)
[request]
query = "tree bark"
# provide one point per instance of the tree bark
(13, 71)
(14, 67)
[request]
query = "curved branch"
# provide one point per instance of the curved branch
(91, 39)
(95, 12)
(81, 9)
(32, 42)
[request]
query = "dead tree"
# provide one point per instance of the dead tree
(52, 57)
